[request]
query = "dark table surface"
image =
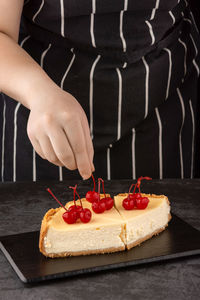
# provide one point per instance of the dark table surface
(22, 206)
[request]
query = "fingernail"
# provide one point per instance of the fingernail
(85, 177)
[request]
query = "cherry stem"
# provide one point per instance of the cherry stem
(99, 187)
(56, 198)
(75, 192)
(139, 183)
(130, 189)
(135, 188)
(93, 182)
(79, 199)
(74, 188)
(102, 181)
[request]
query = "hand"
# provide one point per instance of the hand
(59, 132)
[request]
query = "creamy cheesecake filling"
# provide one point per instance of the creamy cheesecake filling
(104, 237)
(104, 231)
(141, 226)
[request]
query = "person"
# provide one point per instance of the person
(104, 86)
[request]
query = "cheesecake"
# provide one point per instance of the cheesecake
(142, 224)
(103, 234)
(114, 230)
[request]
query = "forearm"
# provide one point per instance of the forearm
(20, 76)
(57, 125)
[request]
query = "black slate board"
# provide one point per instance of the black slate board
(178, 240)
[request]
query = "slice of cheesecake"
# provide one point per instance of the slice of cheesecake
(103, 234)
(114, 230)
(142, 224)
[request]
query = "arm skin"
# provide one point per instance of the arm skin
(57, 126)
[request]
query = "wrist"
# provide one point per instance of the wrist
(38, 90)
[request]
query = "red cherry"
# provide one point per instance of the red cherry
(76, 208)
(70, 217)
(109, 202)
(131, 195)
(85, 215)
(92, 196)
(99, 206)
(128, 203)
(136, 199)
(135, 196)
(142, 202)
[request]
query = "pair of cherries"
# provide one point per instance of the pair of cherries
(74, 212)
(99, 205)
(135, 200)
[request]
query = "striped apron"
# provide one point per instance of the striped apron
(133, 66)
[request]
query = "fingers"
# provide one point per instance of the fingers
(89, 144)
(48, 150)
(61, 135)
(37, 147)
(62, 148)
(78, 144)
(65, 148)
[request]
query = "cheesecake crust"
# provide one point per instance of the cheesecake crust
(78, 253)
(44, 227)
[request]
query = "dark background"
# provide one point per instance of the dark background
(195, 7)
